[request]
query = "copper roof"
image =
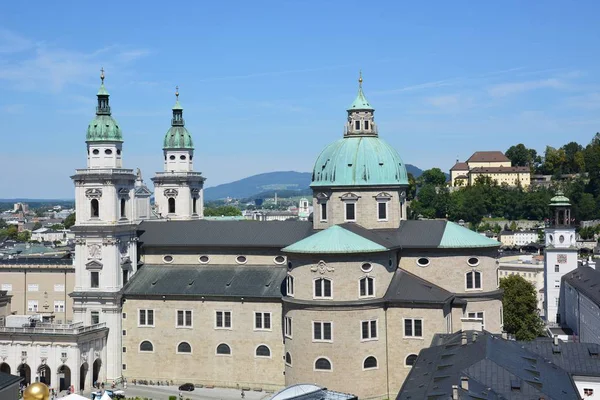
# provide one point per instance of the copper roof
(488, 156)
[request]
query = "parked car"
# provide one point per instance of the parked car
(187, 387)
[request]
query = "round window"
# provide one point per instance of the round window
(279, 260)
(182, 157)
(561, 239)
(241, 259)
(366, 267)
(473, 261)
(96, 151)
(168, 259)
(108, 151)
(423, 262)
(204, 259)
(171, 157)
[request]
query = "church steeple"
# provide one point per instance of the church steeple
(103, 107)
(360, 115)
(177, 111)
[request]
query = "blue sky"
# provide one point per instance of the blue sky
(265, 84)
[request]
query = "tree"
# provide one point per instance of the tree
(36, 226)
(519, 155)
(519, 305)
(411, 191)
(226, 211)
(69, 221)
(23, 236)
(433, 176)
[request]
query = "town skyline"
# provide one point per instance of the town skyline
(265, 92)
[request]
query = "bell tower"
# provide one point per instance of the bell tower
(178, 191)
(360, 115)
(105, 232)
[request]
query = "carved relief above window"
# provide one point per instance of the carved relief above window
(123, 192)
(322, 197)
(322, 267)
(171, 192)
(93, 193)
(383, 196)
(349, 197)
(95, 251)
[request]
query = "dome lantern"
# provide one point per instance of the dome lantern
(103, 127)
(360, 115)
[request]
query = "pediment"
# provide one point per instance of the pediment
(350, 197)
(143, 191)
(383, 196)
(94, 264)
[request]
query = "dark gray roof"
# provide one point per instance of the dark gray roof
(587, 282)
(491, 364)
(7, 380)
(278, 234)
(381, 237)
(408, 288)
(576, 358)
(37, 261)
(215, 280)
(419, 233)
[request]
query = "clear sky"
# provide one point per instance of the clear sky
(265, 84)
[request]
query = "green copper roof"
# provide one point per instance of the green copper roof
(102, 91)
(456, 237)
(334, 240)
(177, 106)
(177, 136)
(104, 128)
(359, 161)
(360, 103)
(559, 200)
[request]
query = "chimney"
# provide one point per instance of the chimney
(555, 340)
(475, 334)
(504, 335)
(463, 338)
(454, 392)
(464, 383)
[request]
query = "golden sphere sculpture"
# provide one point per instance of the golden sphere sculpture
(36, 391)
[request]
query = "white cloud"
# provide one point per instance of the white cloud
(505, 89)
(446, 101)
(11, 42)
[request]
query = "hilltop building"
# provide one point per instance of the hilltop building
(493, 164)
(345, 300)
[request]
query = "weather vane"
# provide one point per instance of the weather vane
(102, 74)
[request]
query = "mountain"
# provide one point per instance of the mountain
(283, 182)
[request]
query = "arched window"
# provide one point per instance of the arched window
(171, 205)
(322, 288)
(410, 360)
(289, 285)
(146, 346)
(263, 351)
(473, 280)
(95, 208)
(288, 359)
(322, 364)
(223, 349)
(123, 208)
(366, 287)
(370, 363)
(184, 347)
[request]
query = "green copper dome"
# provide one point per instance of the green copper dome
(360, 103)
(177, 136)
(359, 161)
(103, 128)
(560, 200)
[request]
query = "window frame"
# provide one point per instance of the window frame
(259, 356)
(171, 202)
(262, 321)
(289, 279)
(223, 354)
(469, 313)
(323, 211)
(322, 370)
(285, 358)
(412, 335)
(386, 218)
(145, 351)
(346, 204)
(322, 279)
(184, 326)
(183, 352)
(406, 359)
(288, 327)
(230, 327)
(95, 283)
(474, 273)
(322, 324)
(370, 322)
(366, 278)
(35, 304)
(94, 313)
(59, 303)
(370, 368)
(145, 312)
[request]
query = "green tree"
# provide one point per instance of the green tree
(226, 211)
(433, 176)
(412, 187)
(23, 236)
(519, 155)
(69, 221)
(519, 305)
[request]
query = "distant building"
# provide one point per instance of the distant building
(530, 268)
(479, 365)
(52, 235)
(493, 164)
(507, 238)
(523, 238)
(580, 303)
(21, 207)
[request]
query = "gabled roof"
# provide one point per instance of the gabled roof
(575, 358)
(587, 282)
(460, 166)
(7, 380)
(203, 233)
(214, 280)
(335, 240)
(408, 288)
(488, 156)
(456, 236)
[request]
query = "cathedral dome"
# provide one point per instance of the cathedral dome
(103, 128)
(359, 161)
(177, 136)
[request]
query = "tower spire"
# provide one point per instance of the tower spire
(360, 80)
(103, 106)
(177, 111)
(102, 75)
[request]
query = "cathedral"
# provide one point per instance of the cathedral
(345, 299)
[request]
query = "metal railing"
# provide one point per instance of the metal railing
(56, 329)
(94, 171)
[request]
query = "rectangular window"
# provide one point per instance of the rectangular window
(357, 125)
(124, 315)
(124, 349)
(556, 284)
(322, 288)
(124, 367)
(382, 210)
(556, 301)
(350, 211)
(146, 318)
(223, 319)
(323, 211)
(366, 125)
(33, 287)
(124, 332)
(7, 287)
(557, 268)
(59, 306)
(262, 321)
(59, 287)
(367, 287)
(289, 284)
(369, 330)
(322, 331)
(95, 317)
(413, 327)
(474, 280)
(478, 314)
(95, 279)
(287, 327)
(32, 305)
(184, 318)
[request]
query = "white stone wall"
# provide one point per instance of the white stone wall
(561, 253)
(581, 315)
